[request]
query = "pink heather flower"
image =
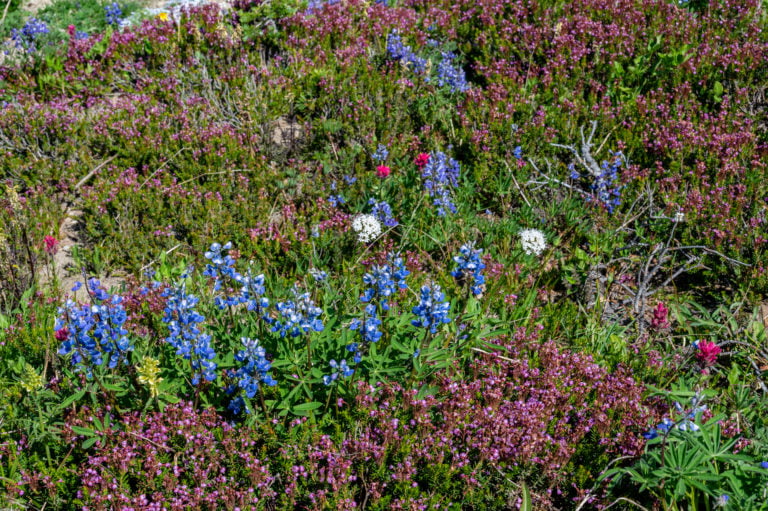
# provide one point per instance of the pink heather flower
(421, 160)
(51, 245)
(708, 352)
(71, 30)
(383, 171)
(660, 319)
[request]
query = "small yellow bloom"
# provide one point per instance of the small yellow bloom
(149, 370)
(163, 16)
(30, 380)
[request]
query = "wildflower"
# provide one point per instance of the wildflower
(722, 501)
(113, 13)
(660, 317)
(382, 171)
(91, 332)
(440, 175)
(518, 153)
(51, 245)
(381, 153)
(149, 370)
(368, 326)
(764, 464)
(383, 213)
(186, 335)
(421, 160)
(367, 228)
(318, 275)
(400, 52)
(255, 368)
(432, 309)
(26, 37)
(30, 379)
(469, 264)
(163, 16)
(662, 429)
(533, 241)
(297, 316)
(451, 75)
(341, 368)
(336, 200)
(708, 352)
(679, 217)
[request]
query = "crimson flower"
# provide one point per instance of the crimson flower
(383, 171)
(51, 245)
(708, 352)
(421, 160)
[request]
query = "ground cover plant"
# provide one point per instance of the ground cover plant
(278, 254)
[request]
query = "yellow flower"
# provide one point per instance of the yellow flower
(163, 16)
(149, 370)
(30, 380)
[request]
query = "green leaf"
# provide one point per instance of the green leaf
(526, 504)
(83, 431)
(88, 443)
(305, 408)
(71, 399)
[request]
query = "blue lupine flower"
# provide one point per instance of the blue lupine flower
(237, 405)
(113, 14)
(381, 282)
(26, 37)
(315, 5)
(341, 369)
(252, 291)
(381, 153)
(383, 212)
(604, 188)
(470, 265)
(185, 334)
(369, 325)
(354, 348)
(95, 331)
(440, 175)
(399, 51)
(221, 264)
(451, 75)
(662, 429)
(318, 275)
(297, 317)
(432, 310)
(254, 369)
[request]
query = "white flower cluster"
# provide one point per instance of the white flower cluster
(367, 228)
(533, 241)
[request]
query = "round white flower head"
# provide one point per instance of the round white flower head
(533, 241)
(367, 228)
